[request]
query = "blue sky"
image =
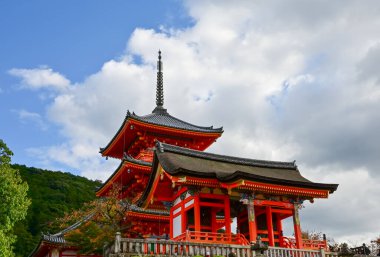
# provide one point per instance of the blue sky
(294, 80)
(74, 37)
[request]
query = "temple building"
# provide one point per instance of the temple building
(195, 195)
(180, 192)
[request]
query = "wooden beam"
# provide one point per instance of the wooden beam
(219, 205)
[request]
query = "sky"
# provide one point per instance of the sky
(287, 80)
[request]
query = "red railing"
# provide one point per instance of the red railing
(289, 242)
(314, 244)
(210, 237)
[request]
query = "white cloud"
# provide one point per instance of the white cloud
(43, 77)
(287, 81)
(33, 117)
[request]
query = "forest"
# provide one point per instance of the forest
(52, 194)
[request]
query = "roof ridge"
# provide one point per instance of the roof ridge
(166, 114)
(74, 226)
(136, 208)
(225, 158)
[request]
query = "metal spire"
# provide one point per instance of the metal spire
(160, 83)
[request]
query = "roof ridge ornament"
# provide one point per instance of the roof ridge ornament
(159, 146)
(160, 87)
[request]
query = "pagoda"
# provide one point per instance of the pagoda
(181, 193)
(134, 145)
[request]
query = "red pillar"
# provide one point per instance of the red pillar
(279, 229)
(297, 226)
(183, 217)
(270, 225)
(197, 214)
(252, 221)
(171, 224)
(213, 220)
(227, 214)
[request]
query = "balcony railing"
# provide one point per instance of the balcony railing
(210, 237)
(144, 247)
(309, 244)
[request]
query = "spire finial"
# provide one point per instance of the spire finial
(160, 83)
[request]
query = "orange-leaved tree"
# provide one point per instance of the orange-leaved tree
(94, 225)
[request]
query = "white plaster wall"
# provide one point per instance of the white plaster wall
(177, 226)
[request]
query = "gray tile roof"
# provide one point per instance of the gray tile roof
(179, 161)
(161, 117)
(225, 158)
(149, 211)
(59, 239)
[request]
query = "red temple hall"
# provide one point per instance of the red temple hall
(182, 193)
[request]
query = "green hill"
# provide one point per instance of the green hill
(52, 193)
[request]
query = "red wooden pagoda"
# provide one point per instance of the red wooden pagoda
(134, 145)
(182, 193)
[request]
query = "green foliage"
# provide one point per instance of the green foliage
(14, 202)
(53, 194)
(5, 153)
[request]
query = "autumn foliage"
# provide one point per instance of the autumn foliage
(94, 226)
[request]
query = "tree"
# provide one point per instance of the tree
(96, 223)
(14, 202)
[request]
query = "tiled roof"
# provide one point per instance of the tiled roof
(149, 211)
(225, 158)
(59, 239)
(179, 161)
(161, 117)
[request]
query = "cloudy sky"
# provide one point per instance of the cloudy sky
(288, 80)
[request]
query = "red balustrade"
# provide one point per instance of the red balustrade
(210, 237)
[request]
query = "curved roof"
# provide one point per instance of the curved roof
(126, 158)
(59, 238)
(179, 161)
(161, 117)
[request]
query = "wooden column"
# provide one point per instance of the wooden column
(213, 220)
(252, 221)
(279, 228)
(227, 214)
(171, 223)
(183, 217)
(270, 225)
(297, 226)
(197, 214)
